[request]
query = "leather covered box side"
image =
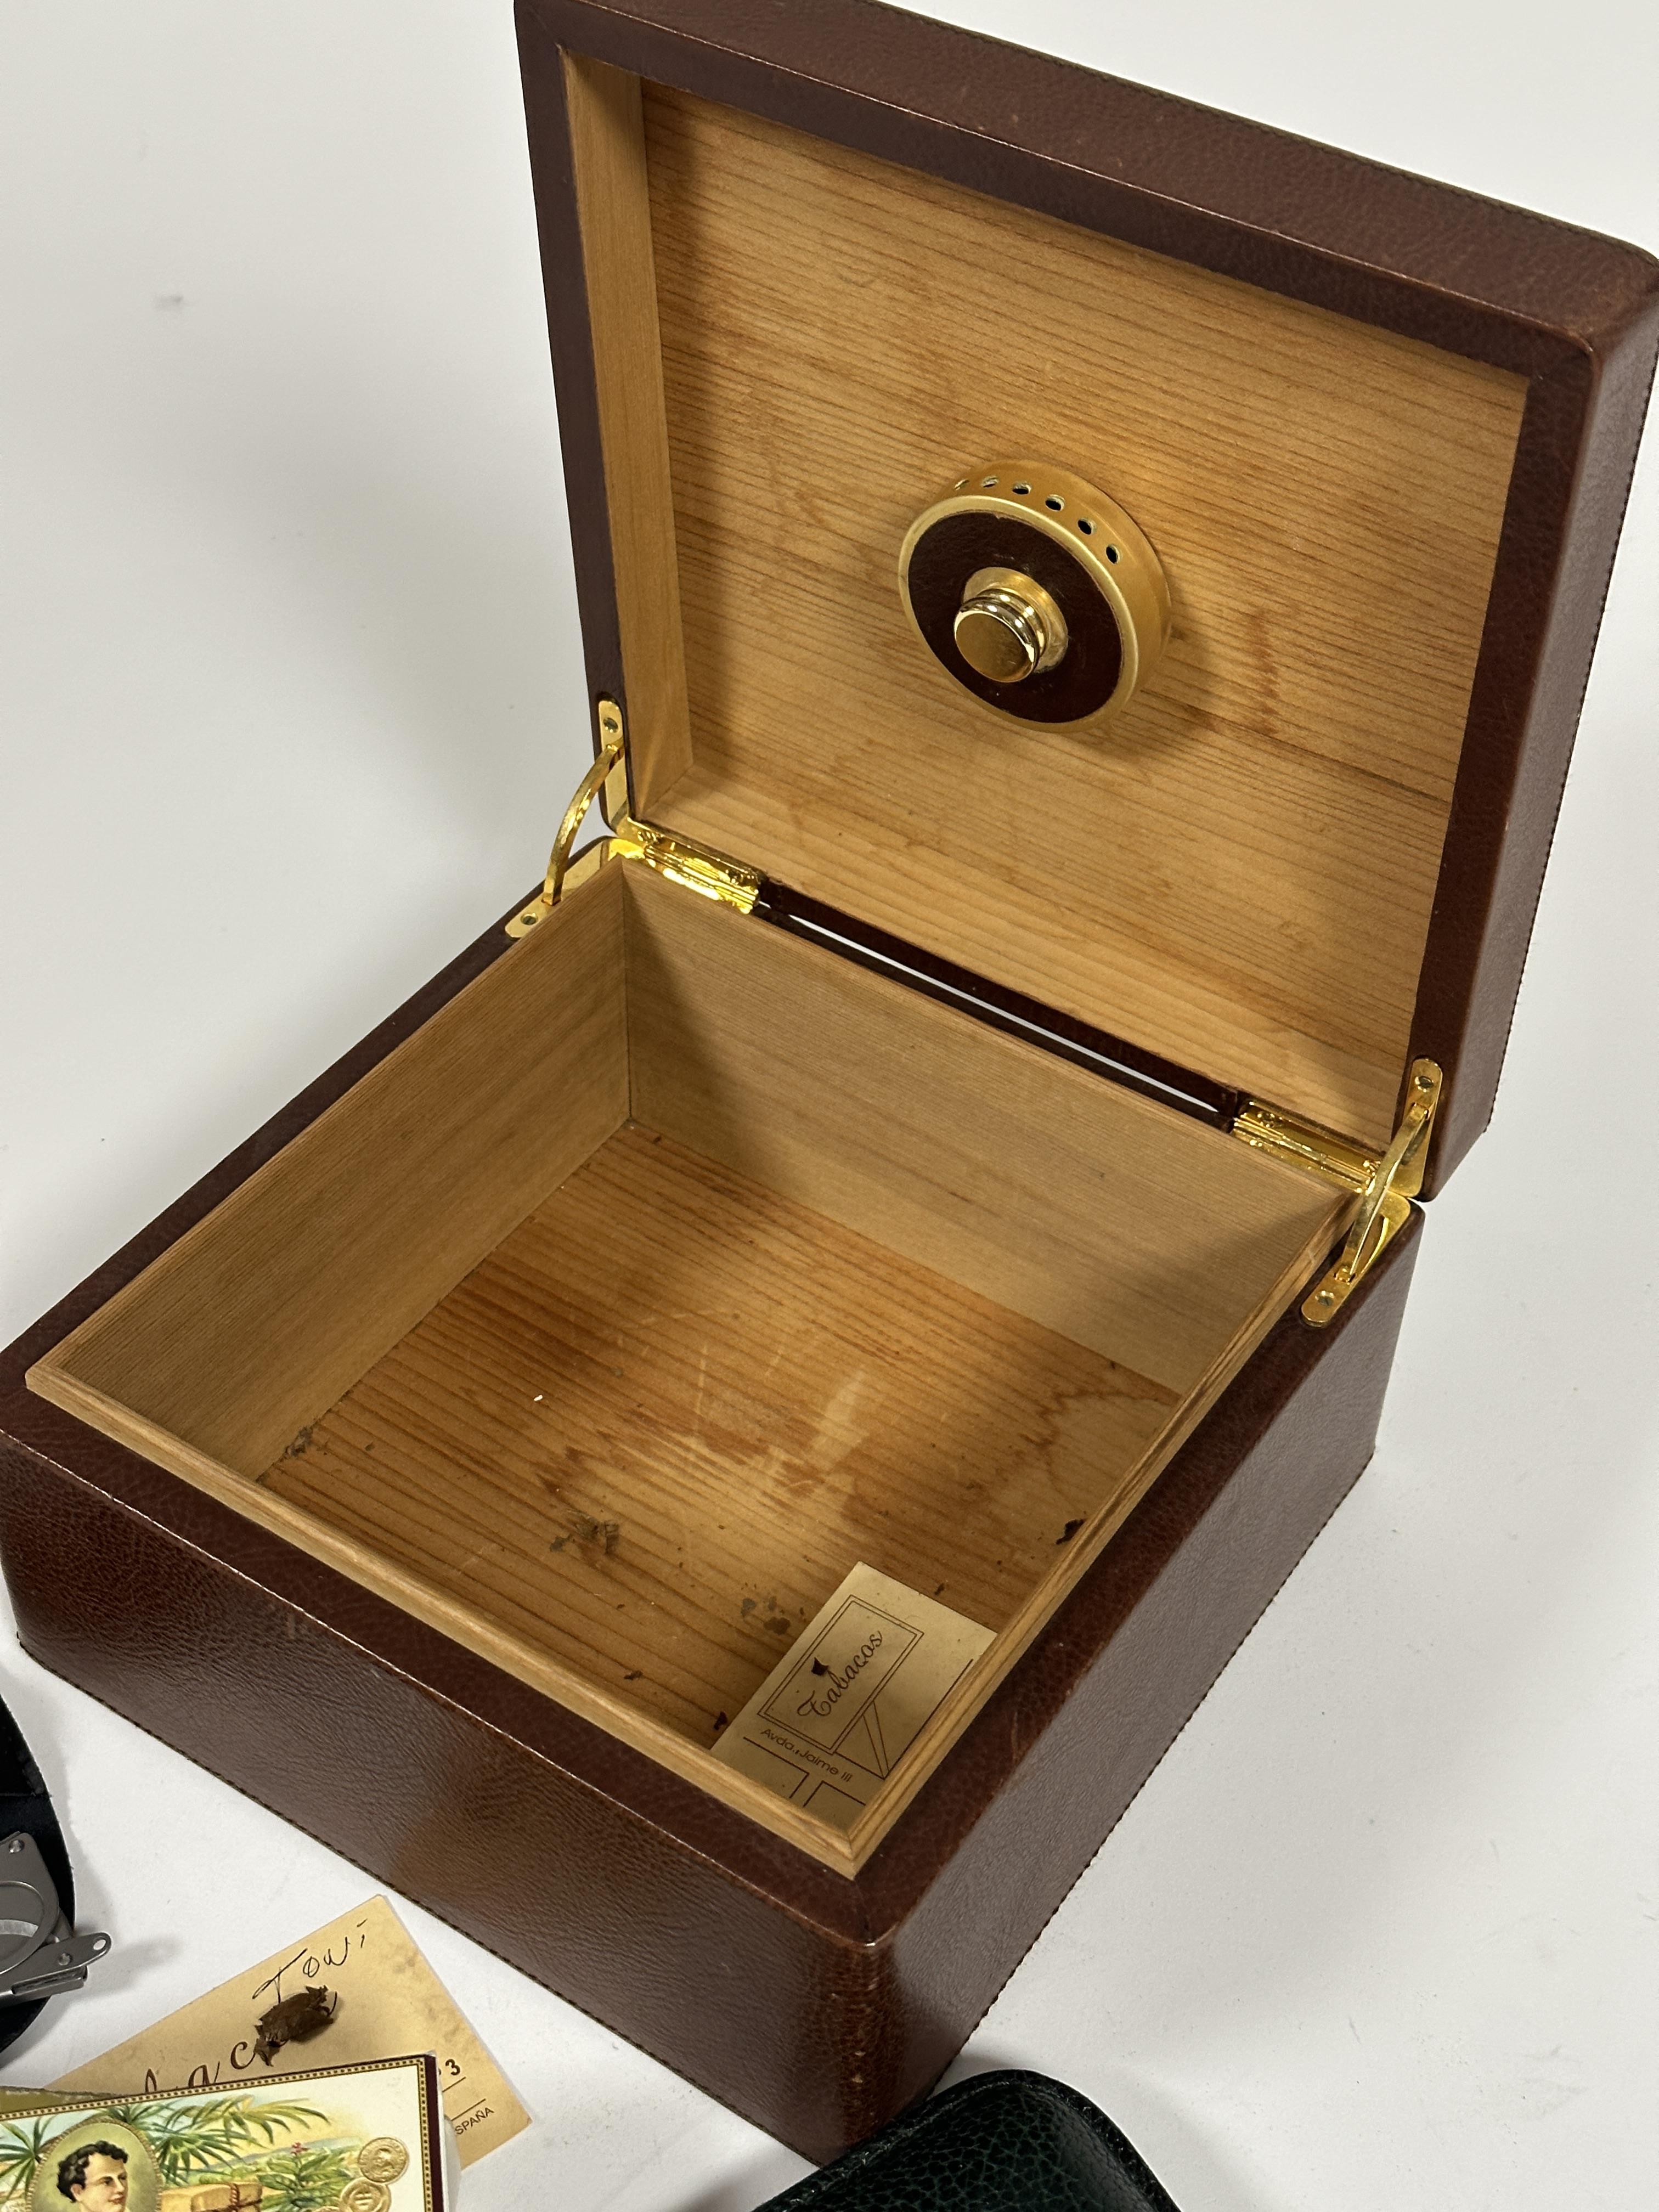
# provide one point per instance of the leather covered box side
(650, 1934)
(1056, 1758)
(814, 2006)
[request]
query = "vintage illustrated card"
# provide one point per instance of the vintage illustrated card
(382, 1995)
(349, 2138)
(832, 1718)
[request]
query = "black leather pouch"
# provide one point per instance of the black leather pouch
(998, 2143)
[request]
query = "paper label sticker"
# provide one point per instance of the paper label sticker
(389, 1999)
(850, 1696)
(361, 2138)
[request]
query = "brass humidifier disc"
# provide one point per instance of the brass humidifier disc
(1038, 594)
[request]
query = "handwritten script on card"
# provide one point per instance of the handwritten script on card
(389, 1999)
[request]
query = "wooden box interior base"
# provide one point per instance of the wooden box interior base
(673, 1268)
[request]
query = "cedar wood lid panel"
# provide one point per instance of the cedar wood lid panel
(1380, 430)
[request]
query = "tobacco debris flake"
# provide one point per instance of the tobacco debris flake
(293, 2020)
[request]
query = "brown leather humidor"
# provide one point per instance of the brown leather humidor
(966, 1115)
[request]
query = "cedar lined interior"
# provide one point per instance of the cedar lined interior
(798, 348)
(801, 1399)
(675, 1266)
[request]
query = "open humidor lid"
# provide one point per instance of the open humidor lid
(810, 265)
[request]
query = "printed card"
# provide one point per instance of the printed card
(835, 1716)
(384, 1997)
(353, 2138)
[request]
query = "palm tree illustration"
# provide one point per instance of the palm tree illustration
(22, 2148)
(191, 2138)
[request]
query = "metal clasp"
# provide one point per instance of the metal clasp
(40, 1954)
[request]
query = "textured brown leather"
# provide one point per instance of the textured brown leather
(1572, 476)
(1253, 203)
(575, 388)
(1576, 314)
(815, 2005)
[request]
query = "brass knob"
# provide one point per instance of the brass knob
(1008, 626)
(1068, 652)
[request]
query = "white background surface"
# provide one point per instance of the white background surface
(292, 699)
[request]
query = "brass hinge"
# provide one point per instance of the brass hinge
(682, 860)
(1384, 1184)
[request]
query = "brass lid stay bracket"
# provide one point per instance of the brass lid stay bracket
(1385, 1186)
(684, 861)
